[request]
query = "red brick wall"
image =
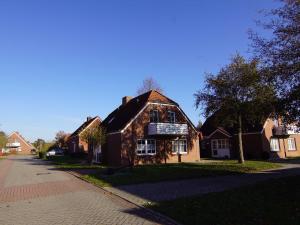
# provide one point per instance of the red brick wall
(80, 145)
(267, 135)
(25, 148)
(139, 130)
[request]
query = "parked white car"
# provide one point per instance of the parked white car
(55, 151)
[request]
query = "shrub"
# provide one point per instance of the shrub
(265, 155)
(42, 154)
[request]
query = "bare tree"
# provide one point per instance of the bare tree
(148, 85)
(60, 139)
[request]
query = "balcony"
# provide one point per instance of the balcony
(168, 129)
(13, 145)
(280, 131)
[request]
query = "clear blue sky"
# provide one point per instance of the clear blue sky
(62, 60)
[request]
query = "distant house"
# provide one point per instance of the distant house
(268, 140)
(150, 128)
(75, 142)
(17, 144)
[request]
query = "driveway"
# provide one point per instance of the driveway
(34, 192)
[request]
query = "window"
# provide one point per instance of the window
(274, 145)
(220, 144)
(179, 146)
(291, 144)
(151, 147)
(146, 147)
(154, 116)
(171, 117)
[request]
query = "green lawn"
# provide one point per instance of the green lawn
(273, 202)
(68, 162)
(163, 172)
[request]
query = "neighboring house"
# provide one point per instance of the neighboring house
(150, 128)
(268, 140)
(75, 142)
(17, 144)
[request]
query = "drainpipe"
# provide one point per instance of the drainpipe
(285, 156)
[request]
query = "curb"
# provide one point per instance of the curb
(150, 211)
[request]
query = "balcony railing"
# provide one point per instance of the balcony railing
(13, 145)
(167, 129)
(280, 131)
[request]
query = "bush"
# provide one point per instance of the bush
(265, 155)
(42, 154)
(81, 155)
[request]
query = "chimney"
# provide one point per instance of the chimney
(89, 118)
(126, 99)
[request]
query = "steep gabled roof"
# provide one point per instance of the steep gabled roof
(213, 123)
(120, 117)
(84, 126)
(22, 139)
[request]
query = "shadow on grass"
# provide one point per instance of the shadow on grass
(273, 202)
(183, 171)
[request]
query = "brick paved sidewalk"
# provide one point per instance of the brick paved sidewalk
(34, 193)
(142, 194)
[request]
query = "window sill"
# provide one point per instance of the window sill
(146, 154)
(181, 153)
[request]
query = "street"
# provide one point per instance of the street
(34, 192)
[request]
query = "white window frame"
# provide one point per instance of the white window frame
(179, 146)
(157, 114)
(146, 150)
(272, 145)
(220, 144)
(171, 119)
(291, 145)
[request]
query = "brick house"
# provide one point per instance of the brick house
(269, 140)
(75, 142)
(18, 144)
(149, 128)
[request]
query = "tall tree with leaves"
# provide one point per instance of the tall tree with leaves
(39, 144)
(94, 137)
(237, 93)
(148, 85)
(280, 56)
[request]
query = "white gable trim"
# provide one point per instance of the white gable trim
(265, 125)
(137, 115)
(154, 103)
(97, 118)
(219, 130)
(22, 139)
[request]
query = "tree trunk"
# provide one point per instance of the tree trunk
(240, 134)
(165, 152)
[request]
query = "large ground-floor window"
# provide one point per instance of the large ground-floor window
(146, 147)
(274, 145)
(291, 144)
(179, 146)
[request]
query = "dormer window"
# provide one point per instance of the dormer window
(154, 116)
(171, 117)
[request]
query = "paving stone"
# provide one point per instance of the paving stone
(59, 198)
